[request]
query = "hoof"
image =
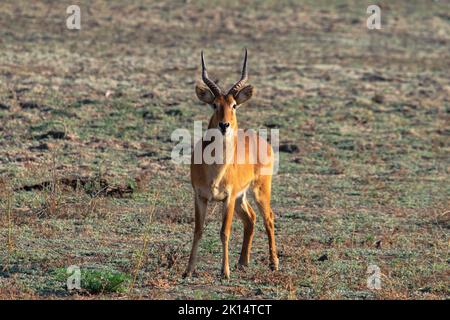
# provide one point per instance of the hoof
(225, 275)
(189, 274)
(274, 265)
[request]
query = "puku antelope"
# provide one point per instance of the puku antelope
(229, 181)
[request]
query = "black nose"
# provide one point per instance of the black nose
(223, 126)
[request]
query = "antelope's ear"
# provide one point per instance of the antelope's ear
(204, 94)
(244, 94)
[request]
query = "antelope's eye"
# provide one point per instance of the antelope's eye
(214, 106)
(234, 106)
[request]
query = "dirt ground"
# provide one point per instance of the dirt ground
(86, 118)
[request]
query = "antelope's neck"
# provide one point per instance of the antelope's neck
(217, 171)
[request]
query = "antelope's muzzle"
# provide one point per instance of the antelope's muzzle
(223, 126)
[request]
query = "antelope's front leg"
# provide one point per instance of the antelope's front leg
(228, 212)
(200, 213)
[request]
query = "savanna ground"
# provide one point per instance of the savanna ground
(86, 118)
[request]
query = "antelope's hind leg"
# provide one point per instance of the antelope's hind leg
(200, 213)
(248, 217)
(262, 196)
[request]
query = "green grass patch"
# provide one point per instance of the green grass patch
(97, 281)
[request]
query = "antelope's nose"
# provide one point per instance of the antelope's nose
(224, 126)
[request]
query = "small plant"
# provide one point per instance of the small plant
(98, 281)
(6, 205)
(53, 198)
(9, 203)
(141, 254)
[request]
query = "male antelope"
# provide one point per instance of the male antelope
(229, 181)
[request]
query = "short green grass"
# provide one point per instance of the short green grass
(97, 281)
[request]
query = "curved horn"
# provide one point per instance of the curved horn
(238, 85)
(214, 87)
